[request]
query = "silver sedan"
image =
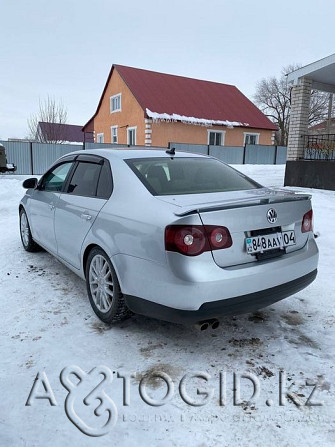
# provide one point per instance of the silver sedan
(177, 236)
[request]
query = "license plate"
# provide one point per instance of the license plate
(259, 244)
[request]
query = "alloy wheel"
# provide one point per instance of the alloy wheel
(101, 283)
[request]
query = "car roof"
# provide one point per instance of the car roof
(126, 153)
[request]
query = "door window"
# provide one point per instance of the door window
(54, 179)
(84, 181)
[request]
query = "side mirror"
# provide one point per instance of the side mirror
(30, 183)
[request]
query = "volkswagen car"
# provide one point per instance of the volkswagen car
(176, 236)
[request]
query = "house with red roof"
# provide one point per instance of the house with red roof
(323, 128)
(62, 133)
(142, 107)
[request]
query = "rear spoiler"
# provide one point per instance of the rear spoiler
(279, 197)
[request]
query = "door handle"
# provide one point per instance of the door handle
(51, 206)
(86, 216)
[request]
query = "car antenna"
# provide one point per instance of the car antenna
(171, 151)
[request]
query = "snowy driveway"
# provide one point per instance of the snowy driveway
(47, 325)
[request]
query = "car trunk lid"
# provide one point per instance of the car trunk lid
(244, 213)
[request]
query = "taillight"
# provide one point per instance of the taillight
(219, 237)
(307, 222)
(192, 240)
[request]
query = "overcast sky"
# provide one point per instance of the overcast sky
(65, 48)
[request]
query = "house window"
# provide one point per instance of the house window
(114, 134)
(216, 138)
(131, 136)
(100, 137)
(115, 103)
(251, 138)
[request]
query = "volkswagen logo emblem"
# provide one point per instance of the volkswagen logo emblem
(271, 215)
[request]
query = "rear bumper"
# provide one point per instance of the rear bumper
(216, 309)
(188, 284)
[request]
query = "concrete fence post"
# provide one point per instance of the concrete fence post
(31, 158)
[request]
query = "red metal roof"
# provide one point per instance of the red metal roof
(65, 132)
(323, 125)
(165, 93)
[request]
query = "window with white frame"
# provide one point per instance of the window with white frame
(131, 136)
(115, 103)
(114, 134)
(216, 137)
(251, 138)
(100, 137)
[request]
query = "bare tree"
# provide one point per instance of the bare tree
(46, 126)
(273, 97)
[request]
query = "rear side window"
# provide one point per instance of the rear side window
(166, 176)
(105, 184)
(84, 181)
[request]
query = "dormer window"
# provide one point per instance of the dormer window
(115, 103)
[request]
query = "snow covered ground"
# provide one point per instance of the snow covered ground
(48, 324)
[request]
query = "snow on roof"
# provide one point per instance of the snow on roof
(192, 119)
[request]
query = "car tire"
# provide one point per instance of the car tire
(26, 238)
(103, 288)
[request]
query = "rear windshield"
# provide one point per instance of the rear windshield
(172, 176)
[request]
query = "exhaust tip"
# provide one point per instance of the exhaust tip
(202, 325)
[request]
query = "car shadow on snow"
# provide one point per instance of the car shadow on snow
(262, 343)
(259, 335)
